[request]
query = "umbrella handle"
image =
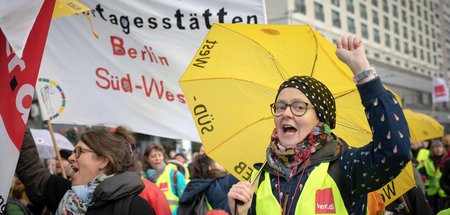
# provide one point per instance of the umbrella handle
(252, 182)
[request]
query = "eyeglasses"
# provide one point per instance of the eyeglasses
(78, 150)
(297, 108)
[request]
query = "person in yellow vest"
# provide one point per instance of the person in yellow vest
(164, 175)
(431, 174)
(308, 169)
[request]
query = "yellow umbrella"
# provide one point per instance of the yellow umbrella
(235, 75)
(68, 8)
(423, 127)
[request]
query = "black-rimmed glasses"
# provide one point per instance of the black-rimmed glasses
(297, 108)
(78, 150)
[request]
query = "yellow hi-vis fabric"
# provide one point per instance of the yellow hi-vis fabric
(164, 183)
(434, 174)
(422, 156)
(318, 181)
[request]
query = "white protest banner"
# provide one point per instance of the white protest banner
(440, 90)
(129, 76)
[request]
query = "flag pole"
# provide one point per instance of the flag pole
(58, 155)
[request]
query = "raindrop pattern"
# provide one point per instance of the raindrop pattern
(370, 167)
(367, 168)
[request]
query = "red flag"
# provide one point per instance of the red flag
(17, 81)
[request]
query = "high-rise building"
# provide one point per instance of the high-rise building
(407, 41)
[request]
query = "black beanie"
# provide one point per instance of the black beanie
(319, 95)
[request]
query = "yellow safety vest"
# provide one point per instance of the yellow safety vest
(164, 183)
(320, 195)
(422, 156)
(434, 174)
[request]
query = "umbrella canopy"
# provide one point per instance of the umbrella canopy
(235, 76)
(423, 127)
(44, 143)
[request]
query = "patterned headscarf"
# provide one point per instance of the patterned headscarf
(319, 95)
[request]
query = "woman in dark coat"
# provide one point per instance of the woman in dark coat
(101, 182)
(210, 178)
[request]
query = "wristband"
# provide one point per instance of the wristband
(364, 74)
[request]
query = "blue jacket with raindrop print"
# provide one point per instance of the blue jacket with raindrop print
(357, 171)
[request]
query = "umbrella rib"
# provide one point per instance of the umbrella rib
(267, 89)
(280, 71)
(230, 137)
(353, 128)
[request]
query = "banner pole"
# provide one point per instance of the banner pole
(58, 155)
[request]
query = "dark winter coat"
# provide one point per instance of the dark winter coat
(216, 191)
(115, 195)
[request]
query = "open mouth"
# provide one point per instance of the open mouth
(74, 168)
(289, 129)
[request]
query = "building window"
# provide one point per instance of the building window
(385, 6)
(386, 23)
(394, 11)
(411, 6)
(318, 12)
(412, 21)
(336, 19)
(427, 30)
(363, 11)
(432, 33)
(375, 17)
(387, 40)
(375, 3)
(404, 3)
(335, 2)
(404, 18)
(350, 7)
(414, 51)
(413, 35)
(406, 49)
(376, 35)
(434, 57)
(427, 43)
(300, 6)
(396, 31)
(432, 20)
(434, 47)
(364, 31)
(405, 32)
(419, 25)
(425, 15)
(419, 14)
(420, 40)
(422, 57)
(428, 57)
(351, 25)
(397, 44)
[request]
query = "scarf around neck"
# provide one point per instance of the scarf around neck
(286, 160)
(153, 174)
(71, 204)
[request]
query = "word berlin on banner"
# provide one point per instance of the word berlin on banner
(17, 83)
(129, 76)
(440, 90)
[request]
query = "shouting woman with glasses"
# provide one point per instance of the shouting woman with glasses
(308, 169)
(103, 180)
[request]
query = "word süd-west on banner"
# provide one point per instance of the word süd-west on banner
(129, 75)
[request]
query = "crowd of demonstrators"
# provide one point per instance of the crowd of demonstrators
(103, 181)
(308, 168)
(431, 174)
(163, 174)
(210, 183)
